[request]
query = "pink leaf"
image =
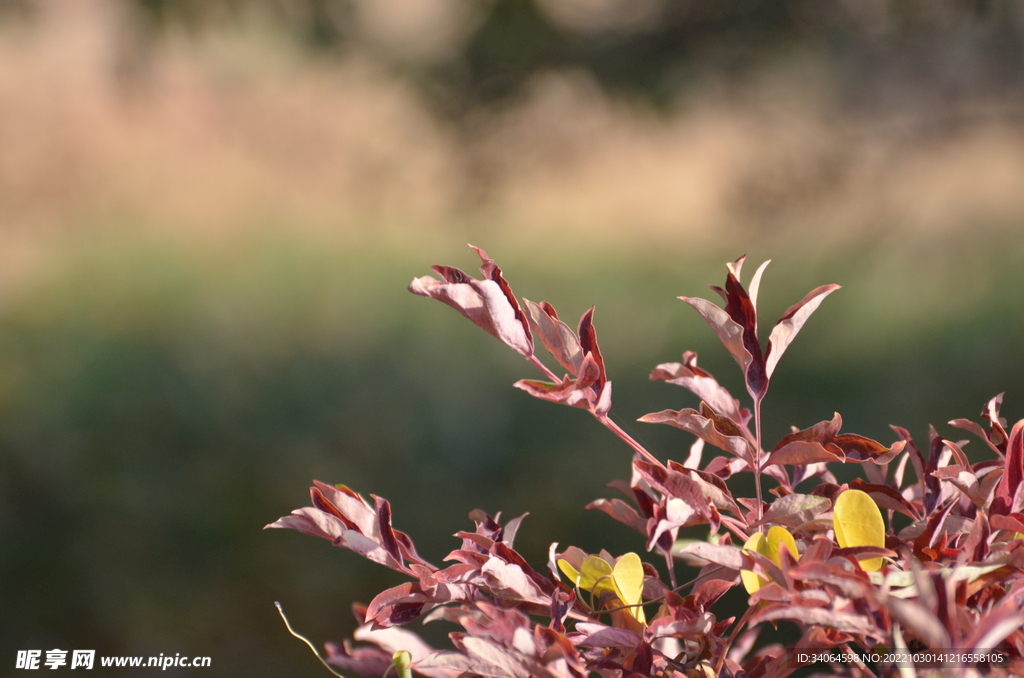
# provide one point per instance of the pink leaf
(700, 383)
(555, 335)
(726, 556)
(794, 510)
(1002, 503)
(704, 427)
(488, 303)
(850, 623)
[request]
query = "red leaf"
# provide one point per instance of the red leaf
(622, 512)
(555, 335)
(801, 452)
(588, 342)
(700, 383)
(729, 332)
(850, 623)
(704, 427)
(1003, 502)
(488, 303)
(726, 556)
(1013, 522)
(887, 498)
(976, 429)
(791, 323)
(793, 510)
(831, 446)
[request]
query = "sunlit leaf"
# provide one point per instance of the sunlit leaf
(752, 581)
(769, 546)
(858, 522)
(628, 578)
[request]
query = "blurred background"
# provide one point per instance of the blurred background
(209, 211)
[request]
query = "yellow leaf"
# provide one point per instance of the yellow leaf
(858, 522)
(595, 574)
(751, 581)
(768, 547)
(628, 578)
(777, 536)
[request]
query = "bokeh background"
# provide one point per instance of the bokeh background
(209, 211)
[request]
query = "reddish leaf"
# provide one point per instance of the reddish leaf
(997, 430)
(397, 605)
(488, 303)
(726, 556)
(703, 427)
(831, 446)
(705, 595)
(976, 429)
(622, 512)
(729, 332)
(588, 342)
(1002, 502)
(794, 510)
(791, 323)
(555, 335)
(920, 621)
(801, 452)
(977, 542)
(699, 382)
(887, 498)
(850, 623)
(565, 393)
(1013, 522)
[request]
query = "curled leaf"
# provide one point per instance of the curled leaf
(700, 383)
(489, 303)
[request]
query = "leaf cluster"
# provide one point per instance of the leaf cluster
(816, 553)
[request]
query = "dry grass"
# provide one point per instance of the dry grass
(205, 139)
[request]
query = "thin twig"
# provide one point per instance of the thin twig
(304, 639)
(757, 457)
(732, 636)
(603, 418)
(637, 447)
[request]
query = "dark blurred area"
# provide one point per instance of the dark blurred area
(209, 212)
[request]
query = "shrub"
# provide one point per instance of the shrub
(867, 600)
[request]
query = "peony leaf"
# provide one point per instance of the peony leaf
(858, 522)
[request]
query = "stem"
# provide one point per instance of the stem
(535, 361)
(732, 636)
(757, 457)
(736, 528)
(637, 447)
(603, 418)
(305, 640)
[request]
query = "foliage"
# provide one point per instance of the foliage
(818, 556)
